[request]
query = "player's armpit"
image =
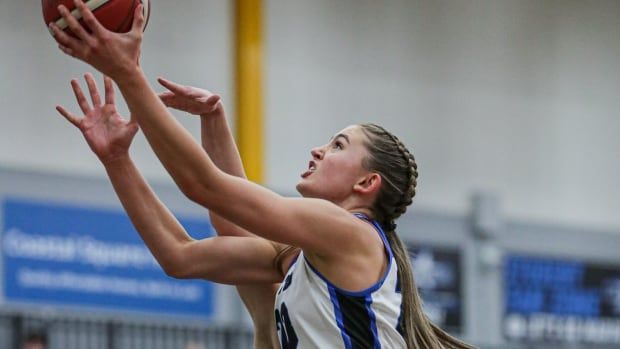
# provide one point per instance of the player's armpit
(285, 257)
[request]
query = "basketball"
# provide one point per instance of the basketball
(114, 15)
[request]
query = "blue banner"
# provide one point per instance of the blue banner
(548, 299)
(57, 254)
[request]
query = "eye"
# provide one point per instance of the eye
(338, 145)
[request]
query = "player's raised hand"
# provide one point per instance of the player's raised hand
(114, 54)
(190, 99)
(106, 132)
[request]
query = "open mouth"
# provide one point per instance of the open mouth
(311, 169)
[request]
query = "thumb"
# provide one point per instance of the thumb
(134, 126)
(213, 99)
(70, 117)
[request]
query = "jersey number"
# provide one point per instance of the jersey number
(288, 337)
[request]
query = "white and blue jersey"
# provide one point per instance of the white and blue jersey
(311, 312)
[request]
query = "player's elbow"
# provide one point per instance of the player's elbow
(177, 271)
(177, 274)
(175, 266)
(196, 192)
(183, 267)
(189, 272)
(206, 190)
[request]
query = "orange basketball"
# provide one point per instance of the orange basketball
(115, 15)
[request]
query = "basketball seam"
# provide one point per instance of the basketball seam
(62, 24)
(91, 4)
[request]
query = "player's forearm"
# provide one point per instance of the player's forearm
(219, 143)
(184, 160)
(158, 228)
(259, 300)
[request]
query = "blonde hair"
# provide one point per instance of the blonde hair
(389, 157)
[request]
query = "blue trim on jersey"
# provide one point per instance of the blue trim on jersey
(338, 312)
(379, 283)
(364, 292)
(373, 322)
(293, 262)
(380, 230)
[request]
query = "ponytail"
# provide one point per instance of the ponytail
(419, 332)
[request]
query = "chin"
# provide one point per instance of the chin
(301, 188)
(304, 189)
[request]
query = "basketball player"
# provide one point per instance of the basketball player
(351, 285)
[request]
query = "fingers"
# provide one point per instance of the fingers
(66, 50)
(189, 99)
(166, 97)
(67, 44)
(213, 100)
(74, 25)
(89, 18)
(132, 125)
(184, 91)
(109, 90)
(171, 101)
(174, 87)
(79, 95)
(92, 88)
(138, 20)
(70, 117)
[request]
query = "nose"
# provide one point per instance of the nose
(317, 153)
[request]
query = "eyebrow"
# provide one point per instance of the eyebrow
(343, 136)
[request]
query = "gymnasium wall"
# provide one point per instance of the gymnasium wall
(190, 44)
(514, 97)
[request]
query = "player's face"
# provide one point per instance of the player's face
(335, 167)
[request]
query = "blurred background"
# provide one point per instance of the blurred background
(511, 108)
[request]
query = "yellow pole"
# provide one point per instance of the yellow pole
(248, 78)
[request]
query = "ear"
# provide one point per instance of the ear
(368, 184)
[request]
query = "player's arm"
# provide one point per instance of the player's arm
(316, 225)
(218, 142)
(215, 135)
(231, 260)
(222, 259)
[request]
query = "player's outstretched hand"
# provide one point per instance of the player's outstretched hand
(190, 99)
(106, 132)
(114, 54)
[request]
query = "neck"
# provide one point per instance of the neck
(353, 204)
(357, 207)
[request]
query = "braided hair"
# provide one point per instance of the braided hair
(396, 165)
